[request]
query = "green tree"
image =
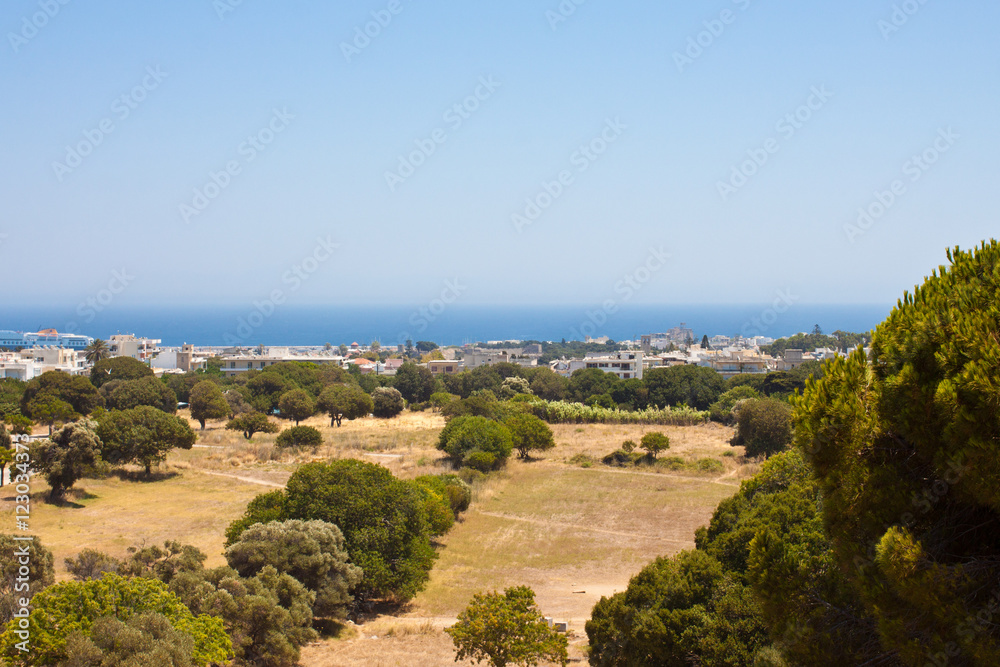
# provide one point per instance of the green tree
(146, 639)
(415, 383)
(19, 424)
(49, 410)
(118, 368)
(722, 409)
(549, 385)
(74, 607)
(654, 442)
(266, 507)
(41, 572)
(250, 423)
(11, 391)
(342, 401)
(299, 436)
(312, 552)
(476, 442)
(73, 389)
(903, 444)
(763, 426)
(127, 394)
(97, 351)
(296, 405)
(513, 386)
(208, 402)
(705, 345)
(529, 434)
(588, 382)
(142, 435)
(451, 487)
(268, 616)
(506, 629)
(426, 346)
(664, 617)
(695, 386)
(67, 456)
(386, 402)
(265, 389)
(383, 519)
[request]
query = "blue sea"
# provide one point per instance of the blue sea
(442, 323)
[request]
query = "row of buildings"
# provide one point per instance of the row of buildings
(30, 355)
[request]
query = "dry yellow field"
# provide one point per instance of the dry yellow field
(571, 533)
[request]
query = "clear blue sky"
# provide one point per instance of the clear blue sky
(681, 130)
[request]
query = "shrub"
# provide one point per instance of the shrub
(477, 442)
(709, 465)
(299, 436)
(763, 426)
(383, 519)
(654, 443)
(529, 434)
(506, 629)
(310, 551)
(387, 402)
(721, 410)
(250, 423)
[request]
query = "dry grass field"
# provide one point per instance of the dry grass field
(572, 533)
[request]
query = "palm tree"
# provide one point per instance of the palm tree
(97, 350)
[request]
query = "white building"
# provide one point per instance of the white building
(626, 365)
(29, 364)
(128, 345)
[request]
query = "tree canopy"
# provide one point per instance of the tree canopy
(142, 435)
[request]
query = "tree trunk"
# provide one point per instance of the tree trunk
(149, 470)
(202, 422)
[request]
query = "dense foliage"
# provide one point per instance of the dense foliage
(383, 519)
(904, 445)
(506, 629)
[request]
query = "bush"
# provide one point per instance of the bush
(387, 402)
(713, 466)
(310, 551)
(654, 443)
(506, 629)
(763, 426)
(442, 398)
(383, 519)
(452, 488)
(250, 423)
(299, 436)
(529, 434)
(59, 611)
(721, 410)
(477, 442)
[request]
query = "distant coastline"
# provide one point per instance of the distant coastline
(452, 325)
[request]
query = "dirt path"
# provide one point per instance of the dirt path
(616, 471)
(249, 480)
(556, 524)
